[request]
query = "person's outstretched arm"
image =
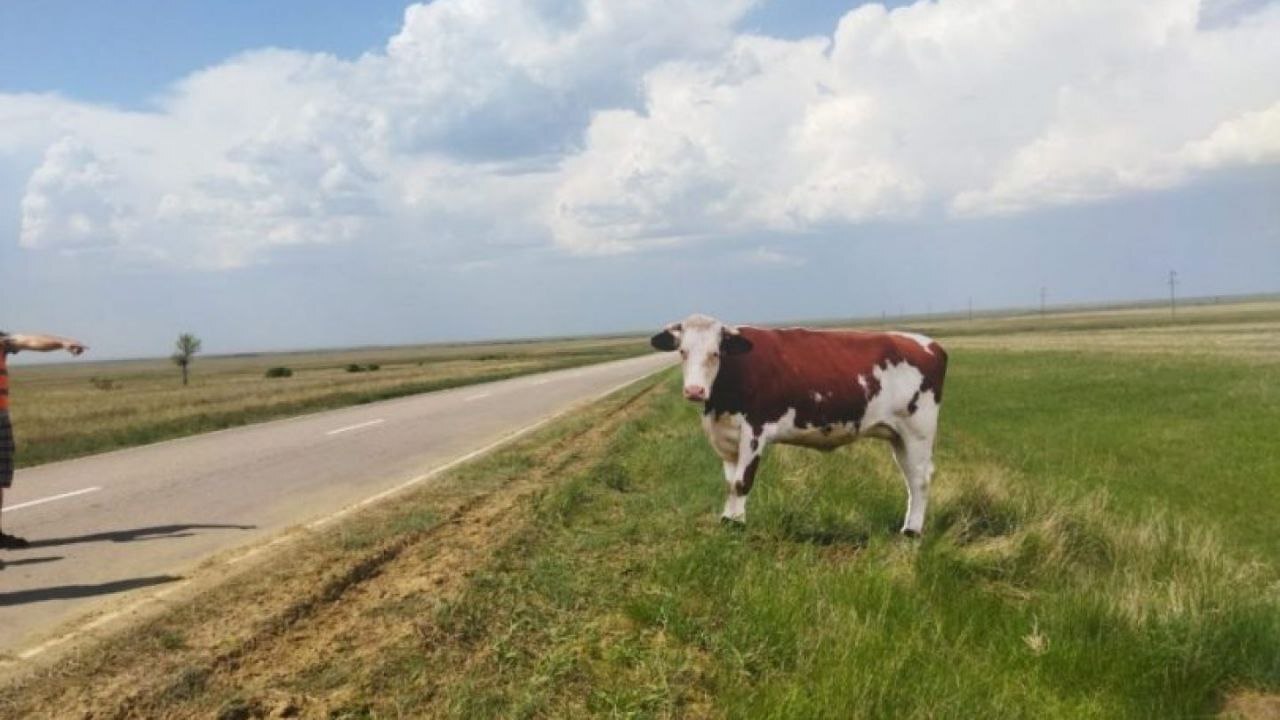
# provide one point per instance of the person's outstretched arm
(43, 343)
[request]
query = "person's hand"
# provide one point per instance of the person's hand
(76, 348)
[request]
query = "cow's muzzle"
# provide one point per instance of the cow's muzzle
(695, 393)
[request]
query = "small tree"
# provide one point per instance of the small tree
(185, 349)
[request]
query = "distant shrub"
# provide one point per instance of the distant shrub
(373, 368)
(104, 383)
(279, 372)
(354, 368)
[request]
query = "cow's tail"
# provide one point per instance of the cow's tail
(941, 372)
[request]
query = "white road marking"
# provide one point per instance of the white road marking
(527, 429)
(356, 427)
(51, 498)
(481, 396)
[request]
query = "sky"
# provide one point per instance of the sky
(320, 173)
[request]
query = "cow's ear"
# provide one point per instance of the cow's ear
(733, 343)
(668, 339)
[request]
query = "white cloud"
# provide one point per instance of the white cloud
(969, 108)
(606, 126)
(70, 201)
(1250, 139)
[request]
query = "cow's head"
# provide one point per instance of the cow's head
(702, 341)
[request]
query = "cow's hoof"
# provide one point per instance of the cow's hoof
(908, 532)
(733, 522)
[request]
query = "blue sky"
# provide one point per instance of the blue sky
(515, 169)
(126, 52)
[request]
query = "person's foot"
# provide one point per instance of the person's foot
(13, 542)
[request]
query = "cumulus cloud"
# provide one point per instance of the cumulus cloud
(964, 108)
(70, 201)
(444, 139)
(605, 126)
(1250, 139)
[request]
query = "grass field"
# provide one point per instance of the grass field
(1102, 544)
(72, 409)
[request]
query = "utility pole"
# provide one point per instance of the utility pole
(884, 318)
(1043, 293)
(1173, 297)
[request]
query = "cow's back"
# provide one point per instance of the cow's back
(828, 378)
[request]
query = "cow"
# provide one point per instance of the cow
(815, 389)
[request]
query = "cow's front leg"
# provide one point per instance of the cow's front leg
(742, 476)
(735, 506)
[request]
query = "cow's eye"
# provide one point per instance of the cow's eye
(715, 356)
(684, 353)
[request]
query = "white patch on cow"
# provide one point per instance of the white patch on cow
(781, 428)
(820, 437)
(735, 508)
(724, 432)
(924, 341)
(862, 380)
(817, 397)
(700, 338)
(898, 384)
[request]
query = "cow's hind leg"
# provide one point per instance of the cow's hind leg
(915, 459)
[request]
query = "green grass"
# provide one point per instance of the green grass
(1195, 435)
(1033, 595)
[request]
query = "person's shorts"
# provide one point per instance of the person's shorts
(6, 451)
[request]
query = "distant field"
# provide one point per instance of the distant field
(1101, 544)
(78, 408)
(1235, 332)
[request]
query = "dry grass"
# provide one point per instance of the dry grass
(73, 409)
(1252, 341)
(1248, 331)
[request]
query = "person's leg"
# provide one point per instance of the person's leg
(6, 478)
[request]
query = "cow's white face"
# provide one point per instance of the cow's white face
(702, 341)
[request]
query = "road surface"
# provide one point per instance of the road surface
(136, 521)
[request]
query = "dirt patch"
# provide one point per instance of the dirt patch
(1252, 706)
(292, 637)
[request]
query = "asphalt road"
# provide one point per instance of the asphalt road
(131, 522)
